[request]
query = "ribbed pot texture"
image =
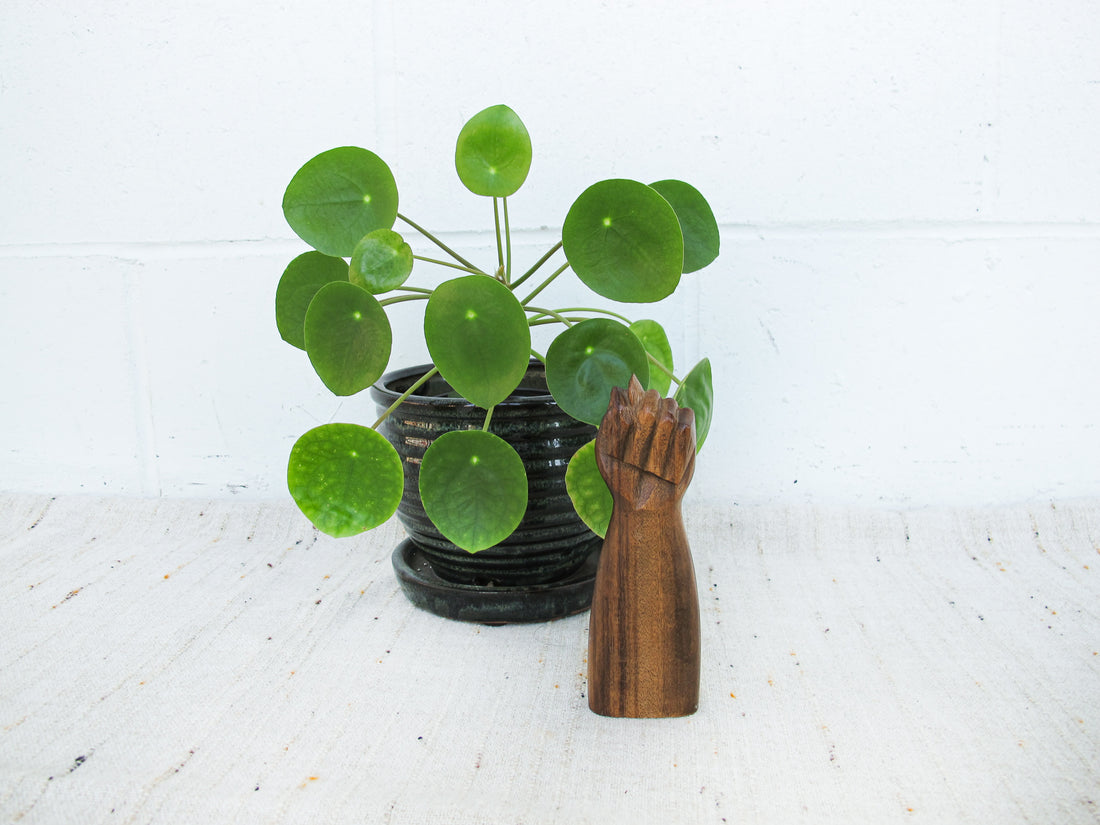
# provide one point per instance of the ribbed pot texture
(551, 542)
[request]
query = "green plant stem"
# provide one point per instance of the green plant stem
(554, 314)
(537, 266)
(539, 322)
(447, 263)
(622, 318)
(488, 418)
(507, 244)
(546, 283)
(654, 362)
(500, 248)
(441, 245)
(399, 299)
(538, 356)
(417, 385)
(419, 289)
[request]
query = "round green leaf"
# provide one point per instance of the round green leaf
(300, 281)
(493, 154)
(590, 494)
(477, 333)
(697, 393)
(473, 487)
(345, 478)
(653, 338)
(697, 222)
(624, 242)
(348, 337)
(338, 197)
(586, 361)
(381, 261)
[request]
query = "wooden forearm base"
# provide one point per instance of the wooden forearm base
(643, 649)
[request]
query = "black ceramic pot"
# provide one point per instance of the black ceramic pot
(549, 552)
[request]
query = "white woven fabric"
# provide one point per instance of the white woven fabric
(176, 661)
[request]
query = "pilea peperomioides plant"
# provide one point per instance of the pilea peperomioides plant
(627, 241)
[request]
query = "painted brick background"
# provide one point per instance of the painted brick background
(904, 311)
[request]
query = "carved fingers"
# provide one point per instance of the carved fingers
(648, 432)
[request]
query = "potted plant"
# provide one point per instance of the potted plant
(627, 241)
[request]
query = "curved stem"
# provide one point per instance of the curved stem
(654, 362)
(488, 418)
(622, 318)
(398, 299)
(539, 356)
(546, 283)
(440, 244)
(537, 265)
(416, 385)
(419, 289)
(447, 263)
(557, 316)
(539, 322)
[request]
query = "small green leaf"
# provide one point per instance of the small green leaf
(300, 281)
(653, 338)
(345, 478)
(338, 197)
(381, 261)
(473, 487)
(348, 337)
(493, 154)
(590, 494)
(701, 238)
(697, 393)
(624, 242)
(586, 361)
(477, 334)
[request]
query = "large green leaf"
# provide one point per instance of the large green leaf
(623, 240)
(381, 261)
(701, 238)
(589, 492)
(473, 487)
(586, 361)
(477, 333)
(493, 154)
(653, 338)
(697, 393)
(345, 478)
(300, 281)
(348, 337)
(338, 197)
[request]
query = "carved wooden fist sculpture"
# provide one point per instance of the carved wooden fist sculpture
(643, 645)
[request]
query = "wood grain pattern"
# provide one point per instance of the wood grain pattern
(644, 652)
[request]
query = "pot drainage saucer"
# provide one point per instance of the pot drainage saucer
(493, 604)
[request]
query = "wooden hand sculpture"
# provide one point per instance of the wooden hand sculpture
(643, 644)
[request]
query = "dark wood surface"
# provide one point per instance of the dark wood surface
(643, 657)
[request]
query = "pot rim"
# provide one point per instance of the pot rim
(385, 394)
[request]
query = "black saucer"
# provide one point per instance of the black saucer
(492, 604)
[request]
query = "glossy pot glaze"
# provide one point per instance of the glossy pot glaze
(551, 542)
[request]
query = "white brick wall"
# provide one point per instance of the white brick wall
(904, 312)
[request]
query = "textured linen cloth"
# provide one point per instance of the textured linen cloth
(183, 661)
